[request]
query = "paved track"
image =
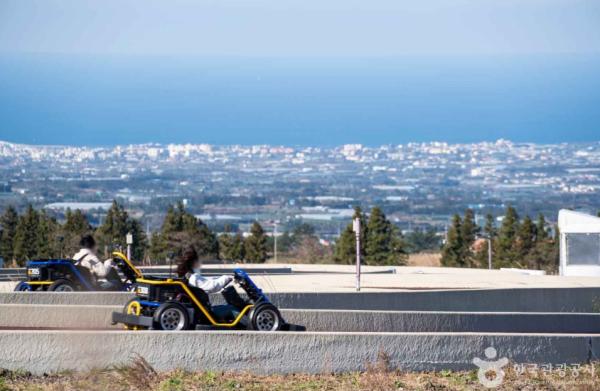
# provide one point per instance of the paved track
(470, 300)
(351, 339)
(20, 316)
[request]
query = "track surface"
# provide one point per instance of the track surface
(442, 336)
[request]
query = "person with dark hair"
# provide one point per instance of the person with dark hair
(189, 267)
(86, 257)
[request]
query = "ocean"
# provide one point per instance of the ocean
(106, 100)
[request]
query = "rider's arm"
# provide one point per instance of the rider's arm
(209, 284)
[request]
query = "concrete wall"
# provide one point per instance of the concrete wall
(43, 352)
(99, 317)
(477, 300)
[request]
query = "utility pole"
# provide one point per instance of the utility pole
(275, 241)
(129, 240)
(356, 229)
(489, 240)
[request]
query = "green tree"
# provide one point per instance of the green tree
(544, 254)
(452, 252)
(505, 254)
(255, 245)
(525, 243)
(383, 244)
(159, 248)
(112, 234)
(26, 236)
(237, 251)
(541, 233)
(140, 239)
(76, 225)
(490, 226)
(225, 244)
(468, 233)
(48, 230)
(345, 246)
(9, 222)
(181, 229)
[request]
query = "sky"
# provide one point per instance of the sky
(298, 72)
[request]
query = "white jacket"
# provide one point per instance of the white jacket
(88, 259)
(208, 284)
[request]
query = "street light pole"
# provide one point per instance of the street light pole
(356, 229)
(275, 241)
(129, 240)
(489, 240)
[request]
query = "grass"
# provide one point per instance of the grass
(139, 375)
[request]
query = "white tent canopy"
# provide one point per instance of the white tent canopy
(579, 243)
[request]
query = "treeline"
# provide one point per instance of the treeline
(181, 229)
(516, 243)
(35, 234)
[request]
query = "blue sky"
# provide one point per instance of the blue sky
(300, 27)
(299, 72)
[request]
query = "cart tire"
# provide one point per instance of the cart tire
(171, 317)
(23, 287)
(265, 317)
(62, 286)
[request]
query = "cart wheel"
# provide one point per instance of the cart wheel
(172, 317)
(265, 317)
(132, 307)
(62, 286)
(23, 287)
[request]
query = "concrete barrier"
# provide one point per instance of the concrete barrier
(99, 317)
(476, 300)
(279, 352)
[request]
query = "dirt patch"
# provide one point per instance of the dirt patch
(424, 259)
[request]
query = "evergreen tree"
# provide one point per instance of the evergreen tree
(540, 228)
(225, 245)
(48, 231)
(345, 246)
(140, 240)
(26, 236)
(383, 245)
(505, 254)
(112, 234)
(544, 254)
(255, 245)
(8, 221)
(181, 229)
(524, 245)
(159, 249)
(237, 251)
(76, 225)
(490, 226)
(468, 233)
(452, 252)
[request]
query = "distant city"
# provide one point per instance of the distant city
(418, 185)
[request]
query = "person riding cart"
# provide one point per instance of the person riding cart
(105, 273)
(183, 303)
